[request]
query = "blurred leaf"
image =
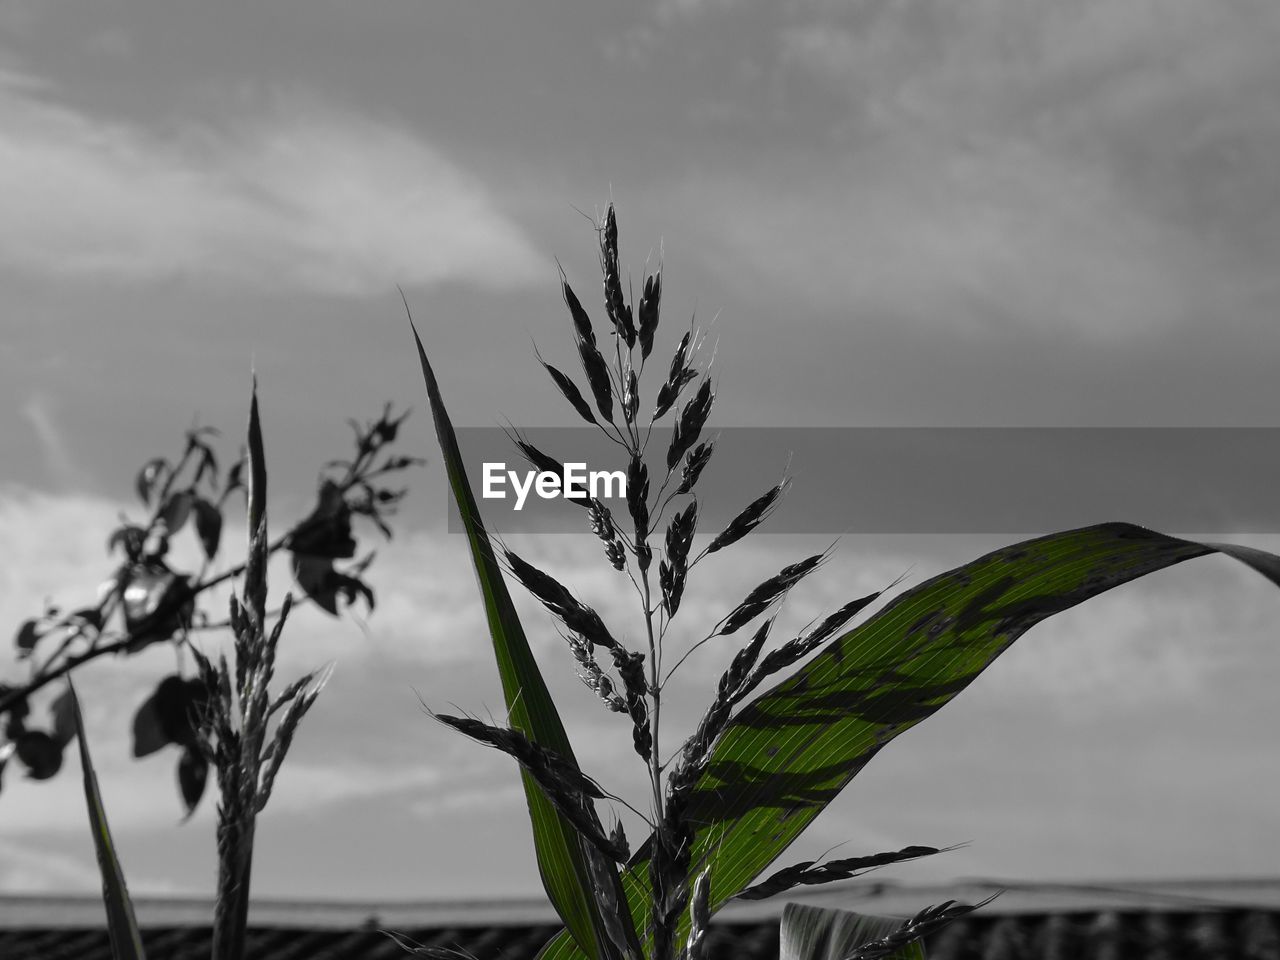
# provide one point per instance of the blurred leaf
(40, 753)
(571, 883)
(317, 578)
(157, 603)
(147, 477)
(352, 588)
(193, 774)
(170, 715)
(235, 476)
(179, 704)
(129, 538)
(17, 710)
(820, 933)
(208, 526)
(176, 510)
(90, 616)
(64, 721)
(208, 464)
(126, 941)
(326, 532)
(27, 638)
(148, 730)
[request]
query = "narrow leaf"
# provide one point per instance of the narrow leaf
(561, 860)
(126, 941)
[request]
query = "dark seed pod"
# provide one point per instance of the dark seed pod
(597, 371)
(638, 497)
(748, 519)
(571, 392)
(631, 396)
(650, 302)
(694, 464)
(581, 322)
(689, 426)
(673, 570)
(759, 599)
(615, 303)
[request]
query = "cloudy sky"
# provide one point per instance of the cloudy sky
(900, 212)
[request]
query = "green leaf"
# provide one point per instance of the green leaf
(561, 859)
(820, 933)
(126, 941)
(789, 753)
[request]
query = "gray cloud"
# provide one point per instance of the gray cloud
(298, 196)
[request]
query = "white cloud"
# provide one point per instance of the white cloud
(299, 197)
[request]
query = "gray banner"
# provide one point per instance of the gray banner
(926, 479)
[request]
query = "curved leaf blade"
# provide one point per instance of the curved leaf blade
(794, 748)
(561, 860)
(786, 755)
(122, 926)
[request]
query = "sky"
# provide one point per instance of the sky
(889, 213)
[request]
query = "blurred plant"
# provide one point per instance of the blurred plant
(238, 726)
(147, 601)
(754, 772)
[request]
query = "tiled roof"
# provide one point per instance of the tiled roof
(1152, 935)
(1239, 921)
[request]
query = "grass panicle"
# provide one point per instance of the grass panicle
(812, 873)
(569, 790)
(694, 464)
(690, 423)
(615, 303)
(674, 568)
(569, 390)
(648, 312)
(927, 921)
(755, 513)
(574, 614)
(763, 595)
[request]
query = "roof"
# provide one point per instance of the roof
(1237, 919)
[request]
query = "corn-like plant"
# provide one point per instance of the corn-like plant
(758, 767)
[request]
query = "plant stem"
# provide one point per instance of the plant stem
(235, 868)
